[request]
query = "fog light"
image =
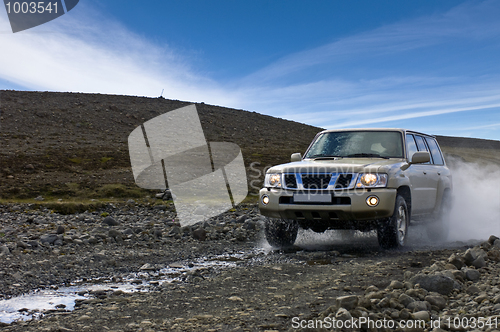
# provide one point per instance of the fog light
(372, 201)
(265, 199)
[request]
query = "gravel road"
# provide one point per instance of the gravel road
(136, 269)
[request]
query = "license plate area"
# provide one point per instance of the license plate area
(312, 198)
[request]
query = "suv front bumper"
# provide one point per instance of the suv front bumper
(345, 205)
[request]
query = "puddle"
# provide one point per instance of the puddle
(34, 305)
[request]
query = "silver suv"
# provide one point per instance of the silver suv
(359, 179)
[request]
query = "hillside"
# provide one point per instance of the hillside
(72, 144)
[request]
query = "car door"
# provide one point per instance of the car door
(429, 178)
(416, 174)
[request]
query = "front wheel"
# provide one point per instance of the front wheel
(281, 232)
(393, 232)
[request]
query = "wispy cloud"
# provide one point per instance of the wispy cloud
(90, 53)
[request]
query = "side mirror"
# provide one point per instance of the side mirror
(296, 157)
(420, 157)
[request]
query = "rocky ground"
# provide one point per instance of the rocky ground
(71, 215)
(218, 275)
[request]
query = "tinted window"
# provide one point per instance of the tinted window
(435, 151)
(411, 146)
(421, 145)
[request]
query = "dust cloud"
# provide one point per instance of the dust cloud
(476, 201)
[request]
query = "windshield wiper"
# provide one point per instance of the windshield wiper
(368, 155)
(323, 157)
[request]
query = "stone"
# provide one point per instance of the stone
(457, 261)
(419, 306)
(235, 299)
(60, 229)
(395, 284)
(496, 299)
(494, 254)
(434, 283)
(405, 300)
(473, 290)
(48, 238)
(200, 234)
(110, 221)
(436, 300)
(472, 254)
(472, 274)
(114, 233)
(343, 315)
(492, 239)
(479, 262)
(4, 250)
(421, 315)
(481, 298)
(348, 302)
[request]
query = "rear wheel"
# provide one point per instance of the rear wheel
(281, 232)
(393, 233)
(439, 228)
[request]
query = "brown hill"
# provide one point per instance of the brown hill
(72, 144)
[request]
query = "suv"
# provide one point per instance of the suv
(359, 179)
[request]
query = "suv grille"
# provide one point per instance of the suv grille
(344, 181)
(290, 181)
(316, 181)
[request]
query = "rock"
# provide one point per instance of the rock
(494, 254)
(481, 298)
(241, 219)
(249, 225)
(419, 306)
(496, 244)
(473, 254)
(200, 234)
(473, 290)
(114, 233)
(434, 283)
(405, 300)
(457, 261)
(395, 284)
(4, 250)
(343, 315)
(110, 221)
(39, 198)
(479, 262)
(496, 299)
(235, 299)
(158, 233)
(147, 267)
(348, 302)
(421, 315)
(492, 239)
(60, 229)
(472, 274)
(436, 300)
(48, 238)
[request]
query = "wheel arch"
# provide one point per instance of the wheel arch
(405, 192)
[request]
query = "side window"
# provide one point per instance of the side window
(435, 151)
(422, 146)
(411, 147)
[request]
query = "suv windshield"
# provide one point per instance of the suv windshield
(357, 144)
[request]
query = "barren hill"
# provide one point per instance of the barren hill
(69, 144)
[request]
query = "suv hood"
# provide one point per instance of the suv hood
(341, 165)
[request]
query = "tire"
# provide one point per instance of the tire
(392, 233)
(439, 228)
(281, 232)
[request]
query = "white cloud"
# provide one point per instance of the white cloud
(86, 53)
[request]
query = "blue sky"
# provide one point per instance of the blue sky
(425, 65)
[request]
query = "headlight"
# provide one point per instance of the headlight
(371, 180)
(273, 180)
